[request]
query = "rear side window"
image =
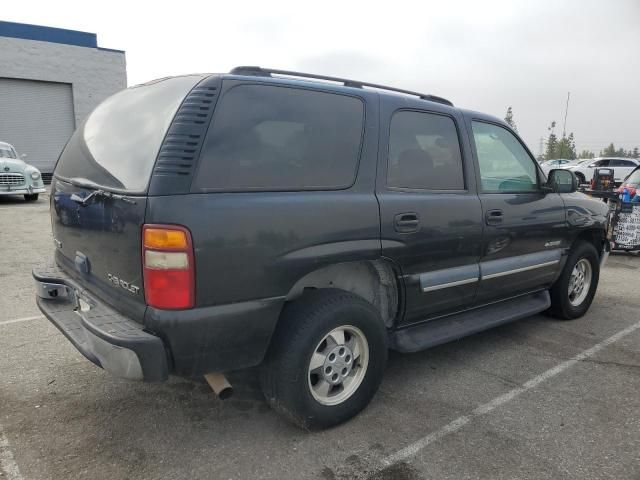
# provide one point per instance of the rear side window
(622, 163)
(424, 152)
(279, 138)
(118, 144)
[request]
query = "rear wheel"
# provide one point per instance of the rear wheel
(326, 360)
(31, 197)
(573, 292)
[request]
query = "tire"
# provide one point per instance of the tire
(581, 178)
(303, 335)
(31, 197)
(568, 305)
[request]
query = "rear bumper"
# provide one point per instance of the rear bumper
(105, 337)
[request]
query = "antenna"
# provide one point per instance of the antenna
(540, 150)
(566, 111)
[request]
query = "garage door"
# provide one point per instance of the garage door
(37, 118)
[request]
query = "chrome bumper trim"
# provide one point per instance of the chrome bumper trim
(23, 191)
(518, 270)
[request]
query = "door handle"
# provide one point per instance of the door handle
(494, 217)
(406, 222)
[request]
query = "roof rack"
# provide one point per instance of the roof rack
(267, 72)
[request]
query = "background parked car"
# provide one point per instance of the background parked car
(555, 163)
(621, 168)
(16, 177)
(576, 162)
(631, 182)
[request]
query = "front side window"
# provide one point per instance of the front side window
(280, 138)
(505, 166)
(424, 152)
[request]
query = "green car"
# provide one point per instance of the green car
(16, 177)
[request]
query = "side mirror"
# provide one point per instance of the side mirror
(562, 181)
(23, 156)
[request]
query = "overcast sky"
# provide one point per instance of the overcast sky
(483, 55)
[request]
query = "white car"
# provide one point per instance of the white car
(552, 164)
(621, 168)
(16, 177)
(574, 163)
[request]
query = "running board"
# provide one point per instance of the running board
(453, 327)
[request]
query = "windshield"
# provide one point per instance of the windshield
(634, 177)
(118, 144)
(6, 152)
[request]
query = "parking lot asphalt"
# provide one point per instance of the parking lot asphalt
(538, 398)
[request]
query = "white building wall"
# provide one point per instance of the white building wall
(94, 73)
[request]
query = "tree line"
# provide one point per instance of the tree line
(565, 146)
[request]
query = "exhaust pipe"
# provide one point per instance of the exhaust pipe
(219, 384)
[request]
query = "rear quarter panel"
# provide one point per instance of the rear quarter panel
(256, 245)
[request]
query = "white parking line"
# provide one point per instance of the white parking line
(18, 320)
(7, 463)
(460, 422)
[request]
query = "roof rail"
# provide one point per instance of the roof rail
(267, 72)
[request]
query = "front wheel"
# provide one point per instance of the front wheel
(573, 292)
(326, 360)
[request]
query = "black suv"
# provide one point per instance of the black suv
(306, 224)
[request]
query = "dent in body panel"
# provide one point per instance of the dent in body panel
(584, 212)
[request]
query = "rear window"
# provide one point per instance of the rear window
(281, 138)
(118, 144)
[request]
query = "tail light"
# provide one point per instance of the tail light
(168, 267)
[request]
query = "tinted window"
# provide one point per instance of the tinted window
(118, 144)
(599, 163)
(505, 166)
(621, 163)
(424, 152)
(267, 137)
